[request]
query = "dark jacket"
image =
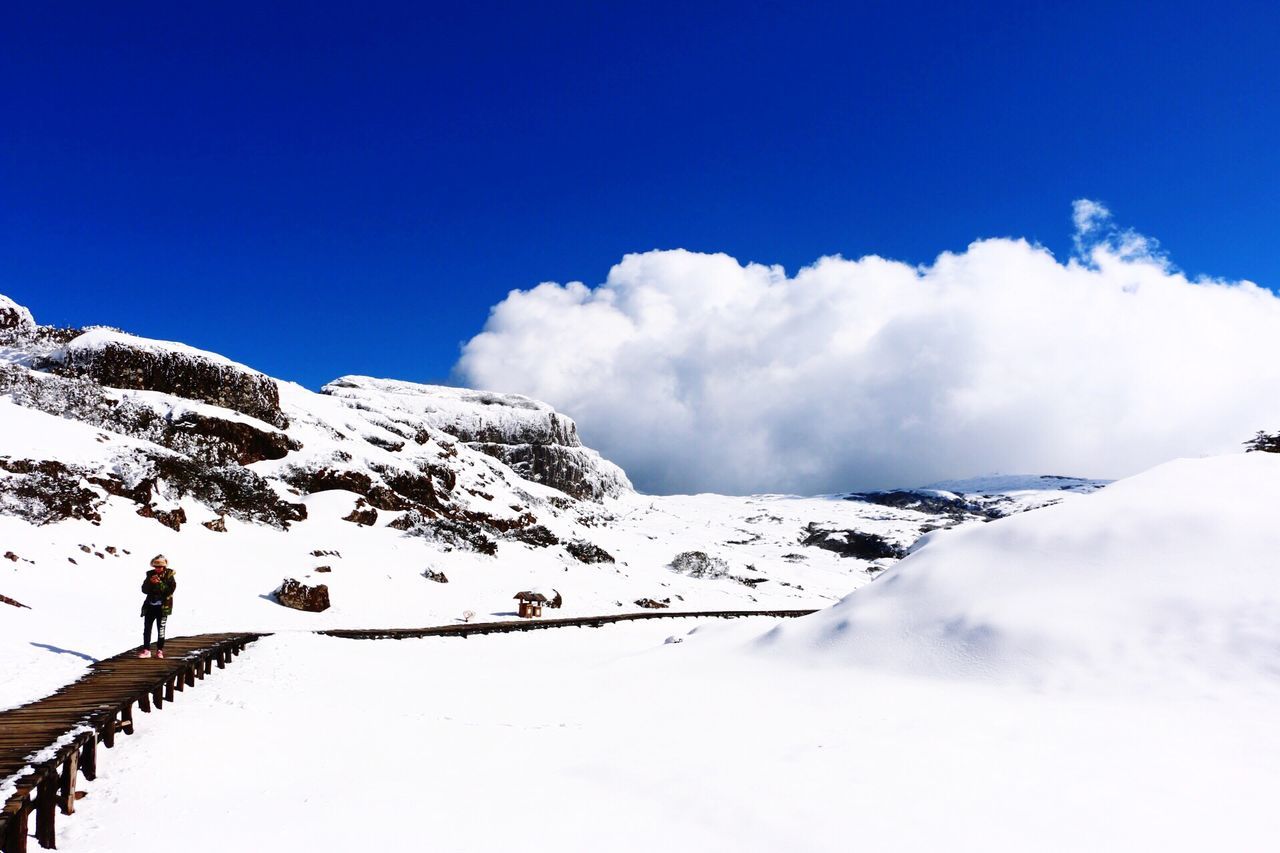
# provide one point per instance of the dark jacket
(159, 585)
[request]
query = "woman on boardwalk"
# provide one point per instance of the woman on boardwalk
(158, 587)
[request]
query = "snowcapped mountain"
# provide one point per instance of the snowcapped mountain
(115, 447)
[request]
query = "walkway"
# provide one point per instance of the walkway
(47, 744)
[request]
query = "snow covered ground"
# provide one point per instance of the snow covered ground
(1068, 679)
(612, 739)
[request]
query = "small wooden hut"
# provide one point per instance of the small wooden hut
(530, 603)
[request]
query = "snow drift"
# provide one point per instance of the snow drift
(1168, 577)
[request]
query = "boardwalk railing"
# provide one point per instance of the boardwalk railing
(45, 745)
(466, 629)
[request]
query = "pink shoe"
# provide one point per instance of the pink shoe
(145, 653)
(159, 653)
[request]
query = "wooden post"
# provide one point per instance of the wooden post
(47, 812)
(89, 756)
(189, 676)
(126, 718)
(144, 703)
(208, 664)
(168, 690)
(15, 834)
(67, 785)
(222, 663)
(157, 697)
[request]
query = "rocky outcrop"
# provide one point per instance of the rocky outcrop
(208, 438)
(538, 443)
(851, 543)
(16, 323)
(46, 491)
(118, 360)
(299, 596)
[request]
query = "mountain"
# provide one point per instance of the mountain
(115, 447)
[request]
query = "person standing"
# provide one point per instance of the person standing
(158, 587)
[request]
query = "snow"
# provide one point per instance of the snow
(609, 739)
(1165, 581)
(97, 339)
(29, 434)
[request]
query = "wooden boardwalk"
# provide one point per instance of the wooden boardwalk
(47, 744)
(466, 629)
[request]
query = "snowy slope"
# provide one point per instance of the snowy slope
(114, 448)
(1164, 580)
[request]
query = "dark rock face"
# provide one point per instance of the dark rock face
(118, 365)
(363, 514)
(438, 577)
(927, 503)
(851, 543)
(217, 525)
(171, 518)
(16, 323)
(299, 596)
(650, 604)
(569, 469)
(586, 552)
(45, 492)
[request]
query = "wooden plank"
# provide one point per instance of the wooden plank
(89, 757)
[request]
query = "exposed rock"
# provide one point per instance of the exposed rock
(16, 323)
(171, 518)
(45, 492)
(851, 543)
(586, 552)
(213, 440)
(928, 502)
(118, 360)
(531, 438)
(228, 490)
(217, 525)
(650, 604)
(324, 570)
(9, 555)
(432, 575)
(7, 600)
(363, 514)
(299, 596)
(320, 553)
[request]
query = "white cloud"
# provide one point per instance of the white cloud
(698, 373)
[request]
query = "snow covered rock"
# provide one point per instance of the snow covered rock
(534, 440)
(118, 360)
(299, 596)
(16, 322)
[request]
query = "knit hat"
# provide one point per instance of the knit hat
(160, 560)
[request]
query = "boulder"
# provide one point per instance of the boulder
(299, 596)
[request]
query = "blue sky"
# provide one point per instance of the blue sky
(319, 189)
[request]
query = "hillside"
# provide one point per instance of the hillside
(114, 448)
